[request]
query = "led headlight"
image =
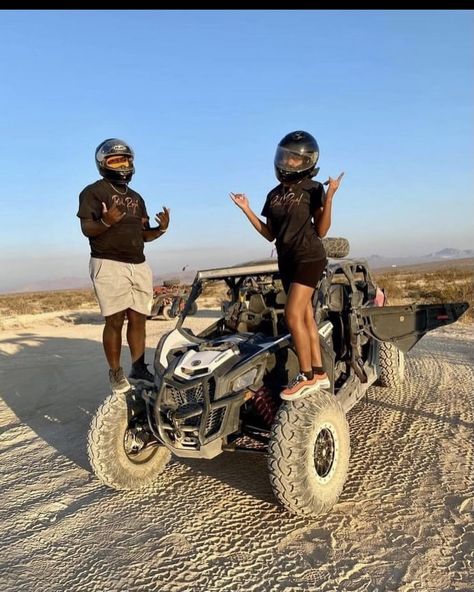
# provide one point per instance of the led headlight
(244, 380)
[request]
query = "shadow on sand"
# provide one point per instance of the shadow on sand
(54, 386)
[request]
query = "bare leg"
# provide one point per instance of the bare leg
(112, 338)
(312, 329)
(299, 297)
(136, 333)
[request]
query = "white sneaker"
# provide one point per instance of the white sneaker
(118, 381)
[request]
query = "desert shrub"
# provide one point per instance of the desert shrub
(449, 285)
(402, 286)
(216, 289)
(39, 302)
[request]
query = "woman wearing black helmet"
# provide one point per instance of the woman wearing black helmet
(298, 215)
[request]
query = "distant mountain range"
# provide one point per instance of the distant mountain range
(186, 276)
(80, 283)
(64, 283)
(452, 254)
(377, 261)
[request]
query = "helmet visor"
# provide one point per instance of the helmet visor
(294, 162)
(119, 162)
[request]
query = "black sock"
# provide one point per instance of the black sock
(140, 362)
(318, 370)
(309, 375)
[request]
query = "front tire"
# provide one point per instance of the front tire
(309, 454)
(111, 455)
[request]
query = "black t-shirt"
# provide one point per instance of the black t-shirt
(290, 210)
(122, 241)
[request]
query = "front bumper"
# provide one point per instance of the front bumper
(191, 421)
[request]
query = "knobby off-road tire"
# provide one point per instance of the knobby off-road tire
(391, 365)
(336, 247)
(309, 454)
(167, 312)
(107, 452)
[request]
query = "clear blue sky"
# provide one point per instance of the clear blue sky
(204, 97)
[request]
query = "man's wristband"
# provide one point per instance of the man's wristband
(163, 230)
(105, 223)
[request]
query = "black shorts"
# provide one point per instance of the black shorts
(307, 273)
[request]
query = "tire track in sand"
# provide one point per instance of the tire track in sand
(403, 522)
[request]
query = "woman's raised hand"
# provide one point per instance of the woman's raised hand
(333, 184)
(240, 200)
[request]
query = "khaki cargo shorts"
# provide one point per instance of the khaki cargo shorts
(119, 286)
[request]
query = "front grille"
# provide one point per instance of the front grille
(211, 388)
(182, 400)
(214, 421)
(179, 397)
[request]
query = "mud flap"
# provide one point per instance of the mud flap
(404, 326)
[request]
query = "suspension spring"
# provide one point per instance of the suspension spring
(265, 405)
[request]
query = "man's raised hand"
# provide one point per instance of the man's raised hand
(163, 218)
(112, 215)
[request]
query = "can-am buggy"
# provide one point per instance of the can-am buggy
(219, 390)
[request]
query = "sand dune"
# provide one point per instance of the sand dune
(404, 521)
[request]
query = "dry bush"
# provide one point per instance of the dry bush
(39, 302)
(216, 289)
(402, 286)
(213, 294)
(448, 285)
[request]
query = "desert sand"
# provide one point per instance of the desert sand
(404, 522)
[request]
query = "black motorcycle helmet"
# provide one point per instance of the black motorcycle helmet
(114, 147)
(296, 157)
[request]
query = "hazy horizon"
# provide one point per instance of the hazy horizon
(204, 96)
(76, 269)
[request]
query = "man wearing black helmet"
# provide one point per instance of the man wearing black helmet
(116, 222)
(298, 215)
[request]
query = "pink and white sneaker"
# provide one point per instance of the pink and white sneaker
(322, 380)
(299, 387)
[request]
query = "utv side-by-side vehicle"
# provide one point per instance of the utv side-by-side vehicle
(169, 300)
(218, 390)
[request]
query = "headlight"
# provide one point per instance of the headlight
(244, 380)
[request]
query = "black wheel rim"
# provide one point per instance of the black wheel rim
(136, 449)
(324, 452)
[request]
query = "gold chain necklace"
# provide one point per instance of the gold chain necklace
(116, 190)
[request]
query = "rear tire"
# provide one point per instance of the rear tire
(107, 442)
(309, 454)
(392, 366)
